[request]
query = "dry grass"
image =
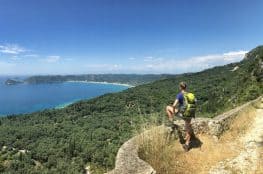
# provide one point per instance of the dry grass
(169, 158)
(260, 162)
(173, 160)
(241, 125)
(154, 148)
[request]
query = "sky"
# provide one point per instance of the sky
(125, 36)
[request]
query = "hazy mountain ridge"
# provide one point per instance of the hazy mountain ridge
(131, 79)
(90, 132)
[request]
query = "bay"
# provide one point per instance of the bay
(27, 98)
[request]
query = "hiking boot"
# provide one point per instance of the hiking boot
(186, 147)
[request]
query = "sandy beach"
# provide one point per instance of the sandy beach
(122, 84)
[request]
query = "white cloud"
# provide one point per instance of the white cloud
(6, 64)
(131, 58)
(68, 59)
(152, 59)
(7, 68)
(12, 49)
(192, 64)
(234, 55)
(31, 55)
(15, 58)
(148, 59)
(116, 66)
(104, 68)
(51, 59)
(151, 64)
(219, 59)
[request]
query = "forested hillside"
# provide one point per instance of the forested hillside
(90, 132)
(131, 79)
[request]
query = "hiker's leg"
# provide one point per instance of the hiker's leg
(188, 131)
(170, 112)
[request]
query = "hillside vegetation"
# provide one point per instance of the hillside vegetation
(90, 132)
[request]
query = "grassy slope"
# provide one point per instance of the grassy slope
(90, 132)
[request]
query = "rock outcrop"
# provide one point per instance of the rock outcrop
(128, 161)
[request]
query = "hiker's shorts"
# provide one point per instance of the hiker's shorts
(187, 124)
(187, 120)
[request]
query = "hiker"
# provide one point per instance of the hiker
(184, 108)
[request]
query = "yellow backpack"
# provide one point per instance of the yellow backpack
(189, 105)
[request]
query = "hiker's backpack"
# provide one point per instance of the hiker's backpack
(189, 106)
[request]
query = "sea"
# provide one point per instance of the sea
(27, 98)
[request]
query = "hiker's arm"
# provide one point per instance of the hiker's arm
(175, 103)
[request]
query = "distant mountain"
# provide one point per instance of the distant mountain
(131, 79)
(90, 132)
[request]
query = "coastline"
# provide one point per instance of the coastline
(61, 106)
(65, 104)
(95, 82)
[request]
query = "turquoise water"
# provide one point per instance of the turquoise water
(26, 98)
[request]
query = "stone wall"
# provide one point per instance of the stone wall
(221, 123)
(128, 161)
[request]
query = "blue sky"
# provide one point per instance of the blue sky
(125, 36)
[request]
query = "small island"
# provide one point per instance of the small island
(12, 82)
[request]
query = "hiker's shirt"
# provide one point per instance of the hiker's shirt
(180, 98)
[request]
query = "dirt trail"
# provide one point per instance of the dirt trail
(249, 159)
(239, 151)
